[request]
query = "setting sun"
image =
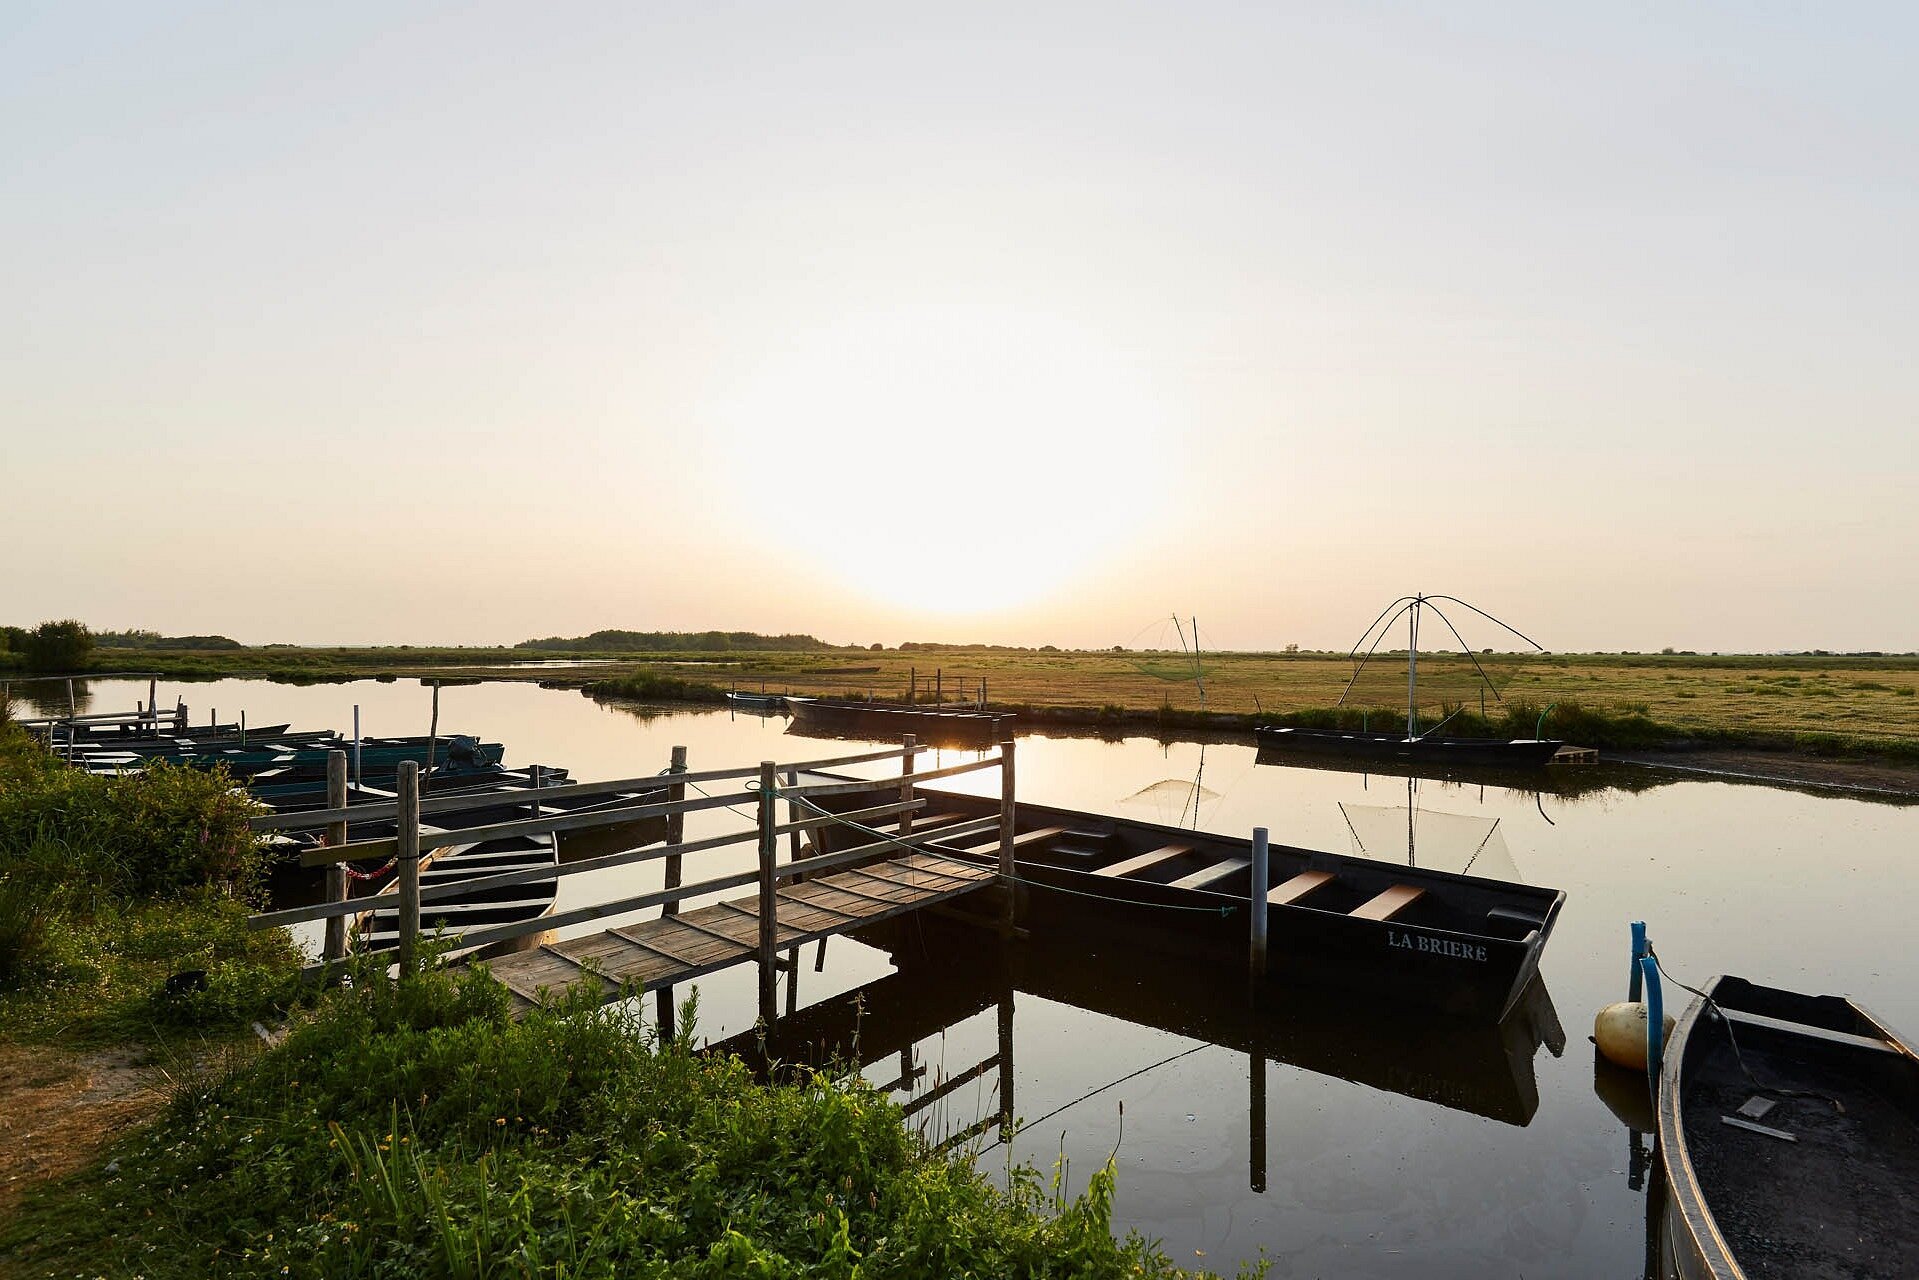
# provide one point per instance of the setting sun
(949, 459)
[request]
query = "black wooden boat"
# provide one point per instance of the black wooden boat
(889, 722)
(1789, 1135)
(759, 704)
(1513, 753)
(1460, 943)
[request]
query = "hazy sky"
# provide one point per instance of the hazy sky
(377, 322)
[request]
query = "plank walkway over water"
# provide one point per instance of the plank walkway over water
(673, 949)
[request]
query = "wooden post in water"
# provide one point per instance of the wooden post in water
(913, 688)
(243, 726)
(939, 678)
(179, 717)
(793, 815)
(356, 744)
(675, 833)
(907, 767)
(334, 949)
(769, 905)
(433, 733)
(1256, 904)
(1007, 876)
(409, 865)
(153, 706)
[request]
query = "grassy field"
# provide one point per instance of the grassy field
(1867, 700)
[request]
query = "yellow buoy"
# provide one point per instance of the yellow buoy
(1620, 1033)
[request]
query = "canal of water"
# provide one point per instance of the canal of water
(1389, 1147)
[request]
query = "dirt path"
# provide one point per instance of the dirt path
(58, 1108)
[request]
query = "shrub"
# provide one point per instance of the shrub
(59, 646)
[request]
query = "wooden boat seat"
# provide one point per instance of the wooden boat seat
(1042, 835)
(1212, 875)
(1284, 895)
(1140, 863)
(1388, 903)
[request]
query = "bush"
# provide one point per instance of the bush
(59, 646)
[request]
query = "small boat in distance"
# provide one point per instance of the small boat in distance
(759, 704)
(1789, 1133)
(938, 725)
(1413, 745)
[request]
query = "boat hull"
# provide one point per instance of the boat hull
(1482, 752)
(886, 722)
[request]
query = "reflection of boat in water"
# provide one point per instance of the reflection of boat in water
(1433, 749)
(1483, 1069)
(1789, 1136)
(1413, 934)
(888, 722)
(1586, 779)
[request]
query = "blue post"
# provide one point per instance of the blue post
(1655, 1022)
(1638, 954)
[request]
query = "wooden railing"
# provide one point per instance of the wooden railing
(411, 840)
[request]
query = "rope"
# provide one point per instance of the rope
(1739, 1057)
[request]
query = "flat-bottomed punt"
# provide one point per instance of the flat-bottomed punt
(887, 722)
(1789, 1133)
(1461, 943)
(1509, 753)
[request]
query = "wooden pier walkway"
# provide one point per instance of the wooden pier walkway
(674, 948)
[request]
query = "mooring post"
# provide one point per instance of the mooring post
(356, 744)
(1655, 1023)
(243, 726)
(1638, 954)
(334, 949)
(913, 686)
(1256, 904)
(433, 733)
(179, 717)
(793, 845)
(153, 706)
(907, 767)
(1007, 877)
(536, 774)
(408, 859)
(769, 919)
(939, 677)
(675, 827)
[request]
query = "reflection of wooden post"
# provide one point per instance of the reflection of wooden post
(1256, 1108)
(336, 878)
(1007, 866)
(769, 920)
(675, 833)
(409, 866)
(1006, 1066)
(908, 763)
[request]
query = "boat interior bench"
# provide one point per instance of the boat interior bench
(1141, 863)
(1283, 895)
(1388, 903)
(1216, 874)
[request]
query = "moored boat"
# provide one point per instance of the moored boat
(1461, 943)
(889, 722)
(1427, 748)
(1789, 1136)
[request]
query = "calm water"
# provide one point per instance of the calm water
(1389, 1149)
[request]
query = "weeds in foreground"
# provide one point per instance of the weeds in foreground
(414, 1128)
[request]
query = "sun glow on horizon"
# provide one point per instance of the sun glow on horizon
(951, 460)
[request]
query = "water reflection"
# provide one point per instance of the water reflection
(1475, 1068)
(56, 696)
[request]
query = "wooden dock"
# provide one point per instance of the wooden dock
(671, 949)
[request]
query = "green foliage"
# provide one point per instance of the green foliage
(649, 686)
(59, 646)
(414, 1129)
(154, 640)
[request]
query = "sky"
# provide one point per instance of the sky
(361, 323)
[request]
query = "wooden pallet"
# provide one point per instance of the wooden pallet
(673, 949)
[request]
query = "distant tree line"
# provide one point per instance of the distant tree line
(154, 640)
(65, 645)
(672, 642)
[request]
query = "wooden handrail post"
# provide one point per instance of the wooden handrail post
(336, 878)
(907, 769)
(1256, 904)
(769, 920)
(675, 827)
(1006, 847)
(409, 865)
(675, 834)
